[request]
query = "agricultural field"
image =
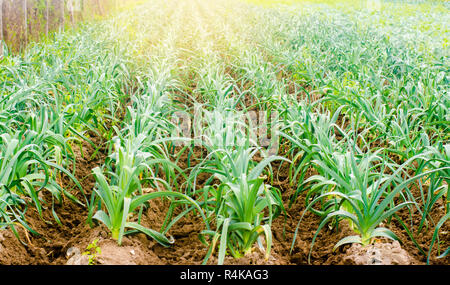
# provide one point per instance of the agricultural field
(231, 132)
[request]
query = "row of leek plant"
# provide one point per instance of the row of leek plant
(50, 97)
(140, 167)
(236, 195)
(390, 115)
(359, 184)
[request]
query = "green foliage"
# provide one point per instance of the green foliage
(356, 96)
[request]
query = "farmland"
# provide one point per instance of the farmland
(231, 132)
